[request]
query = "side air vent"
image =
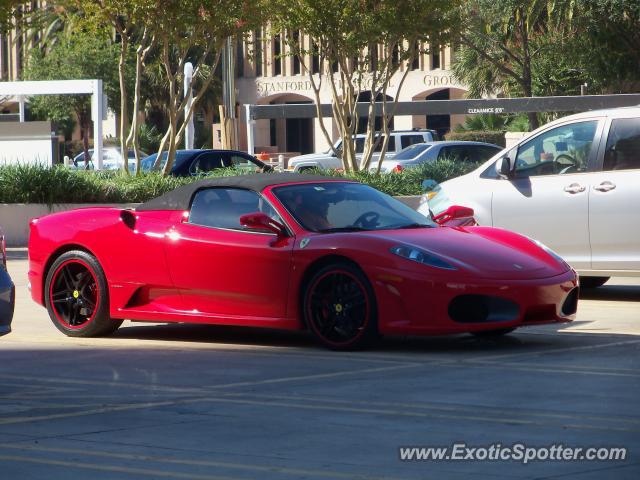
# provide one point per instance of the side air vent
(570, 305)
(129, 218)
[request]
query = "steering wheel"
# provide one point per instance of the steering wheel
(566, 160)
(367, 220)
(565, 163)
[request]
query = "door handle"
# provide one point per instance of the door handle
(605, 186)
(574, 188)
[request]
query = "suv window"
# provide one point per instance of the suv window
(205, 163)
(407, 140)
(390, 148)
(561, 150)
(223, 207)
(623, 145)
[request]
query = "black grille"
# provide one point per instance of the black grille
(482, 309)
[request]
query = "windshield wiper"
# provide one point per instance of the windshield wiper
(415, 225)
(344, 229)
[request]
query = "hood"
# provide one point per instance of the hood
(482, 251)
(308, 156)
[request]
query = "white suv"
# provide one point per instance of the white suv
(573, 184)
(399, 139)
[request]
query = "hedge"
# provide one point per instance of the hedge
(40, 184)
(495, 137)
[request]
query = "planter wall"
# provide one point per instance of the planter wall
(15, 217)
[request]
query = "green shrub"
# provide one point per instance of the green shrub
(409, 181)
(488, 136)
(40, 184)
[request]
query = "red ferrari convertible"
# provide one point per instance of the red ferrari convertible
(295, 252)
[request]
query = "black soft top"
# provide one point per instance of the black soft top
(180, 198)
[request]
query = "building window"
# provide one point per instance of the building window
(277, 55)
(4, 58)
(415, 64)
(395, 56)
(257, 51)
(315, 58)
(240, 57)
(296, 51)
(373, 58)
(273, 137)
(435, 57)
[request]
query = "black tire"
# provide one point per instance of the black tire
(339, 307)
(499, 332)
(593, 282)
(77, 297)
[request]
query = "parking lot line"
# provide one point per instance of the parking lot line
(432, 406)
(95, 411)
(404, 413)
(555, 350)
(114, 468)
(199, 463)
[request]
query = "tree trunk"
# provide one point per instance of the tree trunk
(527, 83)
(85, 144)
(124, 113)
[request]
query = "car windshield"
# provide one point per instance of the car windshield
(412, 151)
(341, 206)
(147, 163)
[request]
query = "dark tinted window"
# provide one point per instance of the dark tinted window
(623, 145)
(457, 153)
(378, 148)
(223, 207)
(482, 153)
(407, 140)
(239, 161)
(147, 163)
(412, 152)
(206, 162)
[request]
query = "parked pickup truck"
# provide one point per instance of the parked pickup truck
(399, 139)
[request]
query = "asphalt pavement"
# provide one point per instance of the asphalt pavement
(210, 402)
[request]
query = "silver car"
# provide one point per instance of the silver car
(419, 153)
(111, 159)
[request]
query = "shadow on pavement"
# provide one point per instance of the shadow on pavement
(617, 293)
(247, 336)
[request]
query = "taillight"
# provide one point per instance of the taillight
(397, 169)
(4, 250)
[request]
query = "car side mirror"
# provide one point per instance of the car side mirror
(261, 221)
(455, 215)
(504, 167)
(428, 185)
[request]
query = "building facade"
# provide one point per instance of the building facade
(267, 75)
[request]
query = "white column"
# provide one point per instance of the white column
(188, 94)
(97, 115)
(21, 106)
(251, 133)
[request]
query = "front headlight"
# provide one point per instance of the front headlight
(549, 251)
(420, 256)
